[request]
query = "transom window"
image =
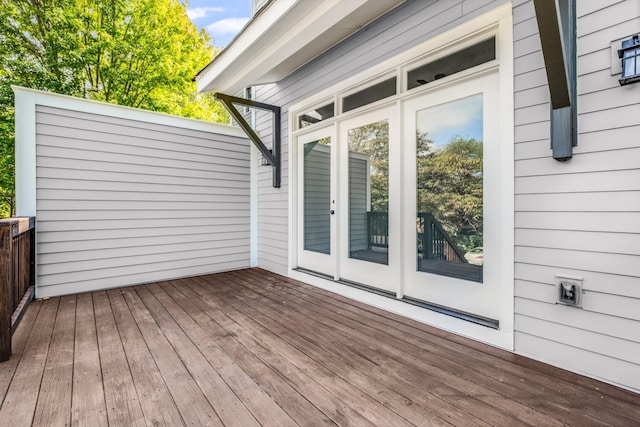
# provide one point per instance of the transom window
(316, 115)
(459, 61)
(415, 76)
(369, 95)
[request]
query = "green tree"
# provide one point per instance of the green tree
(449, 182)
(373, 140)
(7, 198)
(138, 53)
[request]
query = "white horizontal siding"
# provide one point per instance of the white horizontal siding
(579, 218)
(576, 358)
(122, 202)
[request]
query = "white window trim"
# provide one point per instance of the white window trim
(498, 22)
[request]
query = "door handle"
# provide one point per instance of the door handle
(332, 212)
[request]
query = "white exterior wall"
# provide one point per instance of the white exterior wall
(407, 26)
(125, 196)
(579, 218)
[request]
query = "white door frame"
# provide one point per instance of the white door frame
(318, 262)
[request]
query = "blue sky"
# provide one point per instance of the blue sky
(461, 117)
(221, 18)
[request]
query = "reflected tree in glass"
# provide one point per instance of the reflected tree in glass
(449, 172)
(369, 192)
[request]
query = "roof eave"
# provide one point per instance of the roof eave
(284, 36)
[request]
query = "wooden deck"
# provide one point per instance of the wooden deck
(249, 348)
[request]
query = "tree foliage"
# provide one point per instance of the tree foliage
(373, 140)
(449, 181)
(138, 53)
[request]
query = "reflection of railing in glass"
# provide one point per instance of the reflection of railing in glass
(378, 229)
(441, 246)
(438, 253)
(436, 243)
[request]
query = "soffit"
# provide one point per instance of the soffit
(283, 36)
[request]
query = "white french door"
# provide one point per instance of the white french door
(452, 215)
(316, 201)
(348, 221)
(411, 192)
(411, 210)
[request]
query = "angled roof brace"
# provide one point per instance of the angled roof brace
(557, 29)
(272, 156)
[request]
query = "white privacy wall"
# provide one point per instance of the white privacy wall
(579, 218)
(125, 196)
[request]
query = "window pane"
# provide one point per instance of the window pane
(314, 116)
(449, 189)
(317, 195)
(369, 192)
(371, 94)
(454, 63)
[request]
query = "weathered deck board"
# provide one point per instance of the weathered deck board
(302, 381)
(222, 399)
(253, 348)
(20, 338)
(481, 371)
(157, 404)
(54, 400)
(123, 405)
(20, 401)
(191, 402)
(359, 401)
(407, 358)
(526, 381)
(360, 371)
(87, 405)
(270, 383)
(421, 392)
(230, 377)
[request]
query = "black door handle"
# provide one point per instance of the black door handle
(332, 211)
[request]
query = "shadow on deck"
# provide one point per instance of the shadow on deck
(251, 348)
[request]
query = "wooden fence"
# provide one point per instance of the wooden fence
(17, 276)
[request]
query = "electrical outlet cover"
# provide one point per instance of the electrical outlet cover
(569, 291)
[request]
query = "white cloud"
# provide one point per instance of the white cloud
(448, 117)
(227, 26)
(202, 12)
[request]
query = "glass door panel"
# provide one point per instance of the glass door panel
(317, 196)
(368, 192)
(366, 238)
(449, 188)
(316, 202)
